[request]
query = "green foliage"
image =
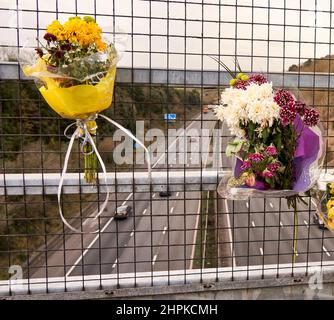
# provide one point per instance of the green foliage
(284, 139)
(286, 155)
(26, 116)
(20, 109)
(234, 147)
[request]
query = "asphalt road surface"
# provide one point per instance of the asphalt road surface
(262, 233)
(159, 234)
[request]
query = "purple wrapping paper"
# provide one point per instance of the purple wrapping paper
(308, 146)
(305, 154)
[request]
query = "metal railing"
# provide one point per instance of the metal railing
(192, 236)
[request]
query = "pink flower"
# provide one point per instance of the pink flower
(241, 84)
(272, 167)
(300, 107)
(258, 79)
(271, 151)
(267, 174)
(311, 117)
(287, 114)
(246, 165)
(251, 181)
(283, 97)
(256, 157)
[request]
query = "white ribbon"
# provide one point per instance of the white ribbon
(83, 131)
(126, 131)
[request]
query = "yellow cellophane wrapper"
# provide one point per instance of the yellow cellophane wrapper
(76, 102)
(328, 218)
(330, 206)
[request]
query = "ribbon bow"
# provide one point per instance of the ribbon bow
(84, 131)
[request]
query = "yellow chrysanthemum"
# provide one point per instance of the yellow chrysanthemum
(331, 188)
(85, 32)
(101, 45)
(56, 28)
(330, 204)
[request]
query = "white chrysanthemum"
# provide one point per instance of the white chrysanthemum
(237, 131)
(259, 92)
(232, 114)
(231, 95)
(255, 110)
(272, 112)
(255, 104)
(219, 112)
(263, 111)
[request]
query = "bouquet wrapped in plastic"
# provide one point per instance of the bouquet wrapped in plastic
(323, 199)
(74, 68)
(278, 147)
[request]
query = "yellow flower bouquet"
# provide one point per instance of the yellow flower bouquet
(74, 68)
(323, 199)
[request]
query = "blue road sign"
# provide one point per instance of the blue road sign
(170, 116)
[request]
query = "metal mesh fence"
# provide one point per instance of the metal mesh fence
(180, 227)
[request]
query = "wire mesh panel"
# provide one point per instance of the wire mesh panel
(167, 85)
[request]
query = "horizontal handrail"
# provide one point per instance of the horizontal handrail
(74, 183)
(207, 78)
(159, 282)
(47, 183)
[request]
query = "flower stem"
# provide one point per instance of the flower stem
(90, 164)
(295, 233)
(90, 155)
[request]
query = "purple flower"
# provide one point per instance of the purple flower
(258, 79)
(300, 107)
(256, 157)
(267, 174)
(291, 105)
(311, 117)
(273, 167)
(241, 84)
(246, 165)
(255, 78)
(66, 47)
(287, 114)
(51, 68)
(283, 97)
(39, 51)
(59, 54)
(50, 37)
(271, 151)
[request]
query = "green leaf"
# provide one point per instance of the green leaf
(270, 181)
(234, 147)
(251, 128)
(265, 135)
(281, 169)
(277, 141)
